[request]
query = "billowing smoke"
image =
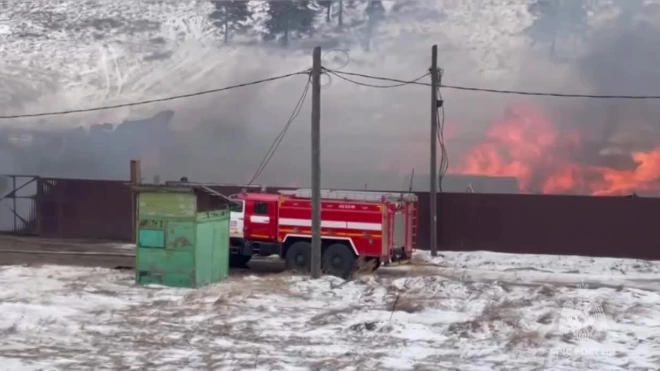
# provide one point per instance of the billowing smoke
(622, 59)
(594, 146)
(620, 134)
(370, 137)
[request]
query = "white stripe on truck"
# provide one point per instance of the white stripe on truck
(331, 224)
(256, 219)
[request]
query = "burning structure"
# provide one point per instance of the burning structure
(527, 144)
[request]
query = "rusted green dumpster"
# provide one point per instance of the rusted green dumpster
(182, 236)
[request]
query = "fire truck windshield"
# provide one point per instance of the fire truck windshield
(236, 206)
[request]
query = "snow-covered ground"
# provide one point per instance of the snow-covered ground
(409, 317)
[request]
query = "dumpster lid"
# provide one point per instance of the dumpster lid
(181, 187)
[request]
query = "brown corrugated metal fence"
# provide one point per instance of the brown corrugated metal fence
(576, 225)
(85, 209)
(539, 224)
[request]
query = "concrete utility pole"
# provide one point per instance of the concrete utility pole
(434, 149)
(316, 163)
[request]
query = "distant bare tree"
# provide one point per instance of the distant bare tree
(231, 16)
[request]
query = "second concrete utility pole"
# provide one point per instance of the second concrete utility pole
(316, 164)
(434, 149)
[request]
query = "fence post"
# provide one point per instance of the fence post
(38, 207)
(136, 178)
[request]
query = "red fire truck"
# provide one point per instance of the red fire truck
(356, 228)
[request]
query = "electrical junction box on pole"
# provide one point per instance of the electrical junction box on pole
(182, 236)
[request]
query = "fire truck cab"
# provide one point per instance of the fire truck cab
(253, 226)
(357, 228)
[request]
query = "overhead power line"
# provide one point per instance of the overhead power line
(280, 136)
(139, 103)
(399, 84)
(559, 95)
(483, 90)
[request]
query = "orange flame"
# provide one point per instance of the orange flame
(526, 145)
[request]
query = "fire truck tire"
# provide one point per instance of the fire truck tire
(299, 256)
(238, 261)
(339, 260)
(376, 265)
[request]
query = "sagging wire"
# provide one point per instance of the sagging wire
(496, 91)
(400, 83)
(329, 81)
(327, 72)
(156, 100)
(444, 158)
(337, 50)
(280, 136)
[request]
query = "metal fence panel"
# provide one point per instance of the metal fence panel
(18, 195)
(541, 224)
(85, 209)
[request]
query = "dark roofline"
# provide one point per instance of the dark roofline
(180, 187)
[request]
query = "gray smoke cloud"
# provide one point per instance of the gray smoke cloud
(623, 59)
(618, 57)
(370, 136)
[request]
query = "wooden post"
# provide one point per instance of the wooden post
(136, 178)
(136, 172)
(13, 184)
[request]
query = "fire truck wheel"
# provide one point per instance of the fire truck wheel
(298, 256)
(376, 264)
(238, 261)
(339, 260)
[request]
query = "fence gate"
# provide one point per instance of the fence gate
(18, 194)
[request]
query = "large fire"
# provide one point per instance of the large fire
(526, 144)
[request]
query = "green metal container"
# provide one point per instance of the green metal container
(178, 245)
